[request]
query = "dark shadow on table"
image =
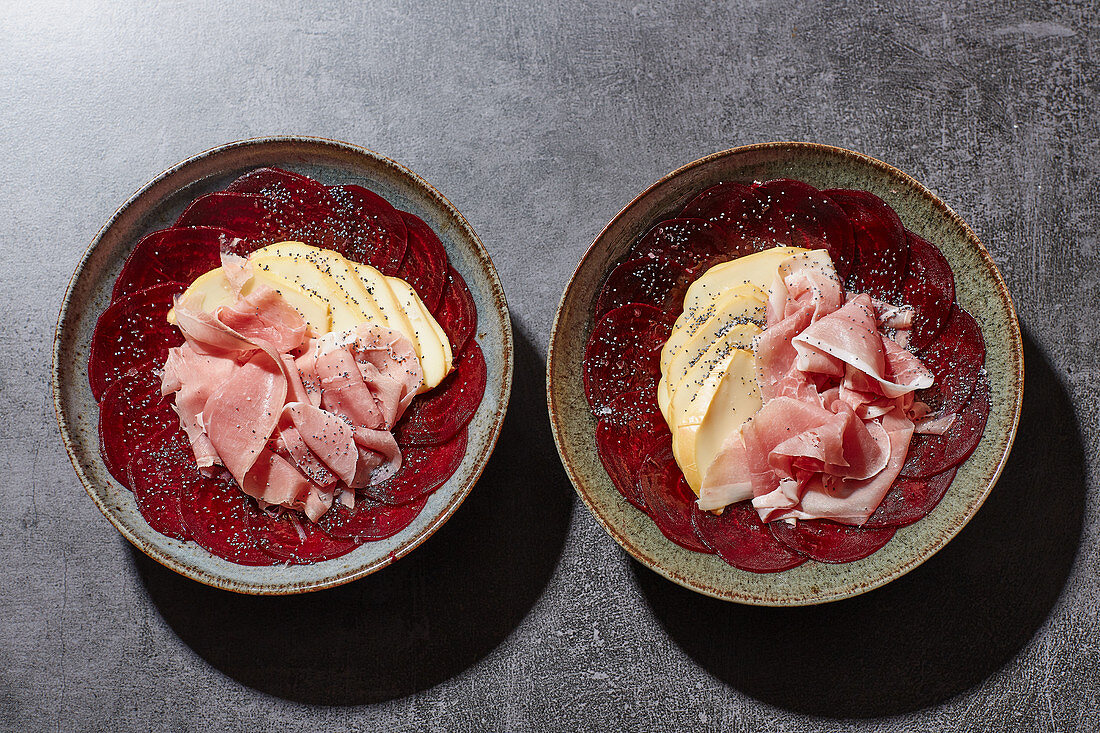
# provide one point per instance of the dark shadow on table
(933, 633)
(419, 622)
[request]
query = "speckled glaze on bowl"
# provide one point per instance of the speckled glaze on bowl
(981, 290)
(157, 206)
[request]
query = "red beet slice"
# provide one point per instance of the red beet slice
(799, 215)
(172, 255)
(623, 354)
(825, 541)
(132, 411)
(245, 214)
(737, 210)
(305, 206)
(435, 417)
(882, 250)
(743, 541)
(626, 436)
(457, 313)
(217, 515)
(369, 521)
(910, 499)
(132, 331)
(669, 501)
(278, 536)
(955, 358)
(425, 266)
(932, 454)
(423, 470)
(377, 232)
(694, 244)
(646, 280)
(929, 288)
(160, 471)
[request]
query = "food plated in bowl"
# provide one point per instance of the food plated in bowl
(725, 425)
(301, 356)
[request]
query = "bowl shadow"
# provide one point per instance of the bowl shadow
(932, 633)
(418, 622)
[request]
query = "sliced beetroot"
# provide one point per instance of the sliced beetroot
(743, 541)
(131, 412)
(932, 454)
(825, 541)
(457, 313)
(289, 538)
(425, 266)
(799, 215)
(435, 417)
(369, 521)
(669, 501)
(881, 247)
(955, 359)
(623, 354)
(304, 206)
(423, 470)
(161, 470)
(626, 436)
(694, 244)
(132, 331)
(217, 516)
(910, 499)
(929, 288)
(737, 210)
(172, 255)
(377, 233)
(645, 280)
(247, 215)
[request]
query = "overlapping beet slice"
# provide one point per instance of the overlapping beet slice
(132, 411)
(645, 280)
(217, 516)
(798, 215)
(932, 454)
(623, 354)
(377, 234)
(160, 471)
(955, 358)
(425, 266)
(132, 331)
(669, 501)
(305, 208)
(423, 470)
(436, 416)
(911, 499)
(829, 542)
(694, 244)
(626, 436)
(370, 521)
(172, 255)
(742, 540)
(929, 288)
(287, 539)
(881, 247)
(737, 210)
(247, 215)
(457, 312)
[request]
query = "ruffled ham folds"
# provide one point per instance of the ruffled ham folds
(298, 421)
(838, 403)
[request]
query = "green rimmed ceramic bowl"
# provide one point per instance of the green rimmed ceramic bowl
(156, 206)
(980, 290)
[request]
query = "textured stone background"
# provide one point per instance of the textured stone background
(539, 121)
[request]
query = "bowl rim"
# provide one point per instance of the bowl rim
(153, 549)
(560, 432)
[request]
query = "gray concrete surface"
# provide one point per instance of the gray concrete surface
(539, 121)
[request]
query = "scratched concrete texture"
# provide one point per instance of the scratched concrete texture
(539, 121)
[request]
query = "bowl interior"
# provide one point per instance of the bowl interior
(156, 206)
(981, 291)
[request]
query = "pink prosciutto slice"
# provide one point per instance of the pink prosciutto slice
(130, 332)
(423, 470)
(370, 521)
(457, 313)
(436, 416)
(956, 358)
(669, 501)
(377, 233)
(742, 540)
(425, 266)
(829, 542)
(911, 499)
(623, 354)
(691, 243)
(645, 280)
(932, 454)
(217, 517)
(160, 471)
(626, 436)
(799, 215)
(287, 539)
(131, 412)
(172, 255)
(882, 250)
(929, 288)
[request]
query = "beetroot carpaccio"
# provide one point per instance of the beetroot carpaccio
(142, 442)
(873, 253)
